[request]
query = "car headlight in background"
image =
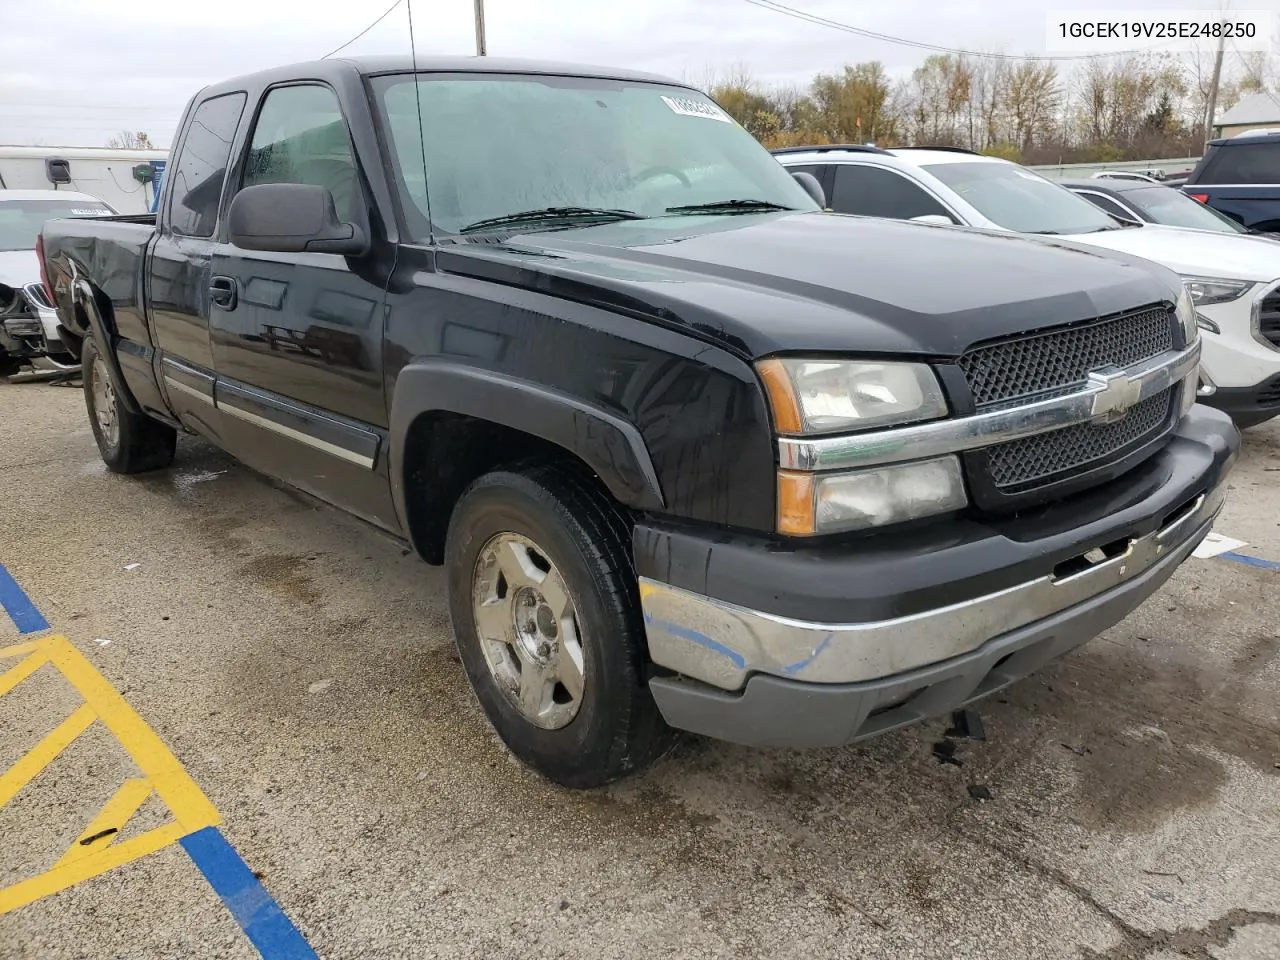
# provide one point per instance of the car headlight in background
(812, 396)
(1206, 291)
(810, 504)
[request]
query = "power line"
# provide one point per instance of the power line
(919, 44)
(384, 16)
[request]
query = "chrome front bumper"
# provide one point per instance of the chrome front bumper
(723, 644)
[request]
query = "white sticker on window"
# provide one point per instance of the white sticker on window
(696, 108)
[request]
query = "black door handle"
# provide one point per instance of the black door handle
(222, 292)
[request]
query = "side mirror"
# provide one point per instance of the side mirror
(292, 218)
(812, 187)
(934, 218)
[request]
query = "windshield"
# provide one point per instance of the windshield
(22, 220)
(1175, 208)
(1017, 199)
(498, 145)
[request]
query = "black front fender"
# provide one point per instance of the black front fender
(608, 444)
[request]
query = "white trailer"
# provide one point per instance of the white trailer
(128, 180)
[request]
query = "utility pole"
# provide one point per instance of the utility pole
(480, 30)
(1213, 90)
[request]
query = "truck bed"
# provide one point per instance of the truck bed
(111, 250)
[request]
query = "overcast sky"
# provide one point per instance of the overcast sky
(74, 72)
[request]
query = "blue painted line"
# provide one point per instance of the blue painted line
(18, 605)
(1250, 561)
(259, 916)
(701, 639)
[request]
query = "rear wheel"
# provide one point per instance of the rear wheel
(542, 595)
(128, 442)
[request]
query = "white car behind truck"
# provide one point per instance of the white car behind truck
(1234, 281)
(29, 335)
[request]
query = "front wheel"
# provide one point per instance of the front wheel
(547, 624)
(128, 442)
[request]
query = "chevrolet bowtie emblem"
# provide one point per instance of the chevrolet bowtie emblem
(1116, 394)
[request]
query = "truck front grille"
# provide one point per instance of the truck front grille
(1041, 365)
(1269, 318)
(1032, 461)
(1060, 360)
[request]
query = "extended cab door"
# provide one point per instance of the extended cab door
(179, 274)
(298, 343)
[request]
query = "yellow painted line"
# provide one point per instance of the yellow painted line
(24, 668)
(189, 805)
(67, 875)
(114, 814)
(161, 773)
(44, 752)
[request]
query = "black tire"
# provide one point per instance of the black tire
(140, 443)
(617, 730)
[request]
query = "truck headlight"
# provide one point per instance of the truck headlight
(1205, 291)
(814, 396)
(812, 504)
(1188, 317)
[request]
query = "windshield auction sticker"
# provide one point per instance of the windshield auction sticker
(688, 107)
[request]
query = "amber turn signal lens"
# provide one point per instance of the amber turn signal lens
(795, 503)
(782, 396)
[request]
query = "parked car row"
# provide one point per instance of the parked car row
(695, 453)
(1233, 277)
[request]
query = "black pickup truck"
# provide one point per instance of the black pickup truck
(695, 453)
(1240, 177)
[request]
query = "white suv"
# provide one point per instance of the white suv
(1233, 280)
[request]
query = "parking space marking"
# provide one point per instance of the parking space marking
(1251, 561)
(18, 605)
(259, 916)
(96, 850)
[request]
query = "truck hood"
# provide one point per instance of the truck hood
(763, 283)
(1202, 253)
(19, 267)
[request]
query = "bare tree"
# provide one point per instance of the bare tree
(127, 140)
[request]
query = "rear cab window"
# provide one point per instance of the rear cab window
(201, 168)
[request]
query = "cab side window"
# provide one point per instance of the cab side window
(874, 192)
(202, 165)
(301, 136)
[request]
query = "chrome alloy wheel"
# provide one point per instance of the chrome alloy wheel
(528, 628)
(104, 403)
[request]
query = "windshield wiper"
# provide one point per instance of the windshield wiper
(553, 214)
(728, 206)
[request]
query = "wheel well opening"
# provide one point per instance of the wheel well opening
(445, 452)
